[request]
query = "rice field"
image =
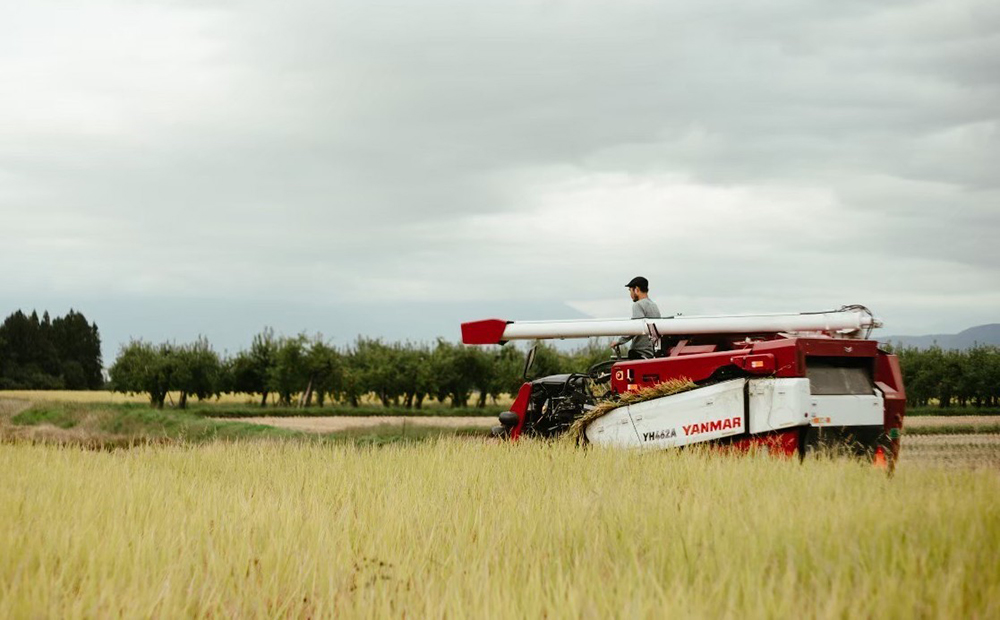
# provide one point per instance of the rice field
(469, 528)
(951, 450)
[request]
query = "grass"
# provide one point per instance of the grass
(59, 416)
(107, 426)
(451, 528)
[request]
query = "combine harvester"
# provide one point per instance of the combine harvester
(787, 383)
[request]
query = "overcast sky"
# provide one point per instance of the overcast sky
(175, 168)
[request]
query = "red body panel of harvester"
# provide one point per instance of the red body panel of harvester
(781, 357)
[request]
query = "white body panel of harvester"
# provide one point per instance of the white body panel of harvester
(614, 429)
(777, 404)
(846, 410)
(723, 409)
(703, 414)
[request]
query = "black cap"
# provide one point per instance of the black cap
(639, 281)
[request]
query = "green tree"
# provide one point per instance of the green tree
(78, 344)
(352, 386)
(976, 368)
(42, 353)
(991, 384)
(921, 374)
(248, 372)
(379, 367)
(456, 370)
(413, 364)
(950, 379)
(143, 368)
(548, 361)
(30, 360)
(289, 373)
(197, 371)
(596, 350)
(482, 367)
(325, 368)
(508, 372)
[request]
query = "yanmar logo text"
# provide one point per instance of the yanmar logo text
(713, 426)
(668, 433)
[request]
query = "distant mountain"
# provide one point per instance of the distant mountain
(981, 334)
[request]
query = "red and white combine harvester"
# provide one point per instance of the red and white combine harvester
(788, 383)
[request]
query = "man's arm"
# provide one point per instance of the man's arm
(622, 341)
(637, 313)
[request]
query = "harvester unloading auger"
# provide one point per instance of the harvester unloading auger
(787, 383)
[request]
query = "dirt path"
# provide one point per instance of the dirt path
(340, 423)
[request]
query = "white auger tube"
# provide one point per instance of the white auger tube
(848, 322)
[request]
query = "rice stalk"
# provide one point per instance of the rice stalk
(577, 432)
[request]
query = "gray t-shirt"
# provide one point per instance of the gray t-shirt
(644, 308)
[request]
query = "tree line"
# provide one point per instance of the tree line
(304, 371)
(951, 378)
(65, 353)
(50, 354)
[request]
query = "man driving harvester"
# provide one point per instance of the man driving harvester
(643, 307)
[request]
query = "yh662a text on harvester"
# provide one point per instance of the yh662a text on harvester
(787, 383)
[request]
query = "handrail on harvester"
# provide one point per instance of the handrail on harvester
(848, 322)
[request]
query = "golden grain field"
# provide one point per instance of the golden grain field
(464, 528)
